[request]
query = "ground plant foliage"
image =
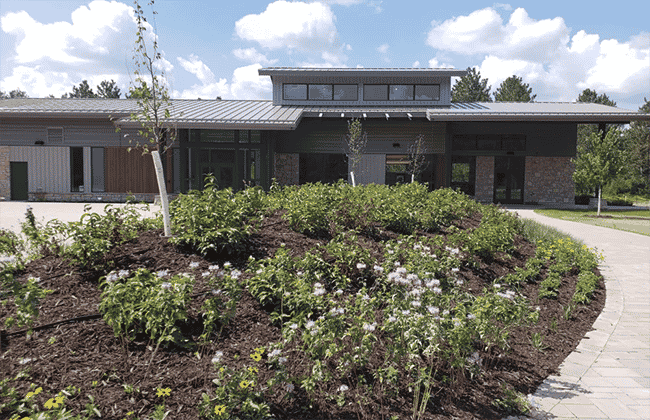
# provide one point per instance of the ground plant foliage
(306, 302)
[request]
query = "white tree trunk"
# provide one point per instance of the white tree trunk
(157, 163)
(354, 184)
(599, 193)
(412, 178)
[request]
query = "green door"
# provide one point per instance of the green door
(220, 163)
(19, 184)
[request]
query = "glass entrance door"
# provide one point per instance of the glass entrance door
(220, 163)
(509, 179)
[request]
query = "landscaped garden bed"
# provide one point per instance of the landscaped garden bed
(312, 302)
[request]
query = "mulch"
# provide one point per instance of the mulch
(86, 354)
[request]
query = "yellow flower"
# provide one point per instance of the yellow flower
(253, 369)
(50, 404)
(59, 400)
(35, 393)
(256, 356)
(259, 350)
(163, 392)
(244, 384)
(219, 409)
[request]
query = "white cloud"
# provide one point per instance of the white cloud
(253, 56)
(50, 58)
(197, 68)
(248, 84)
(557, 66)
(416, 64)
(291, 25)
(435, 64)
(503, 6)
(383, 48)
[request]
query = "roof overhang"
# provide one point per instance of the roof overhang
(215, 124)
(356, 72)
(579, 118)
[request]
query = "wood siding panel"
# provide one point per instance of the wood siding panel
(129, 171)
(48, 167)
(372, 169)
(327, 136)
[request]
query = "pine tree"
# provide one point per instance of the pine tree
(471, 88)
(513, 89)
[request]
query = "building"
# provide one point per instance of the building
(69, 149)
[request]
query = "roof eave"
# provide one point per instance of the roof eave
(216, 125)
(577, 118)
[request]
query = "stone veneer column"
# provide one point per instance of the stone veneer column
(484, 185)
(5, 173)
(287, 168)
(549, 180)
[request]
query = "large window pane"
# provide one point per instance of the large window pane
(427, 92)
(375, 92)
(97, 168)
(463, 142)
(346, 92)
(322, 167)
(488, 142)
(401, 93)
(295, 92)
(460, 172)
(320, 92)
(513, 142)
(218, 136)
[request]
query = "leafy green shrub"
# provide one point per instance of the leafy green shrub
(146, 303)
(215, 220)
(587, 282)
(221, 307)
(550, 286)
(27, 298)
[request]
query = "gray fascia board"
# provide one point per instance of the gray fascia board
(361, 72)
(577, 118)
(217, 125)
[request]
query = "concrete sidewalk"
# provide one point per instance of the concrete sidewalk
(608, 375)
(12, 213)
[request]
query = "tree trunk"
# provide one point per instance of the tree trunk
(599, 194)
(354, 184)
(162, 188)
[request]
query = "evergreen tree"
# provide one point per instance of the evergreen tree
(471, 88)
(81, 91)
(16, 93)
(513, 89)
(108, 89)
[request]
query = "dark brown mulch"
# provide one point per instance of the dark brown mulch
(88, 356)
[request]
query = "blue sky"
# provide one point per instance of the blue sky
(214, 48)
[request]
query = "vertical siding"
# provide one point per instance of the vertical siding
(48, 168)
(372, 169)
(438, 131)
(129, 171)
(88, 179)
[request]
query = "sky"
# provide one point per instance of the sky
(215, 48)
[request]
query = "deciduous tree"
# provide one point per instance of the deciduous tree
(600, 162)
(513, 89)
(471, 88)
(16, 93)
(154, 103)
(356, 141)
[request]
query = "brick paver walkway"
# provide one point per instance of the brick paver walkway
(608, 375)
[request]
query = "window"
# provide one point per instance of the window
(460, 172)
(77, 169)
(217, 136)
(97, 168)
(54, 135)
(346, 93)
(427, 92)
(401, 93)
(375, 92)
(320, 92)
(322, 167)
(463, 174)
(463, 142)
(294, 92)
(489, 142)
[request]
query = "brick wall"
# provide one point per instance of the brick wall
(549, 180)
(484, 186)
(5, 181)
(287, 168)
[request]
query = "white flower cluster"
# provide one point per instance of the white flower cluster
(369, 327)
(113, 276)
(319, 290)
(337, 311)
(11, 259)
(194, 264)
(217, 357)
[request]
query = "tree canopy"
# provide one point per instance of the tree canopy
(471, 88)
(513, 89)
(106, 89)
(16, 93)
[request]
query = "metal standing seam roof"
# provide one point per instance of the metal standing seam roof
(262, 114)
(535, 111)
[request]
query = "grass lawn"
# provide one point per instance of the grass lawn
(637, 221)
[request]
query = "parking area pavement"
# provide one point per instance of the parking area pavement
(12, 213)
